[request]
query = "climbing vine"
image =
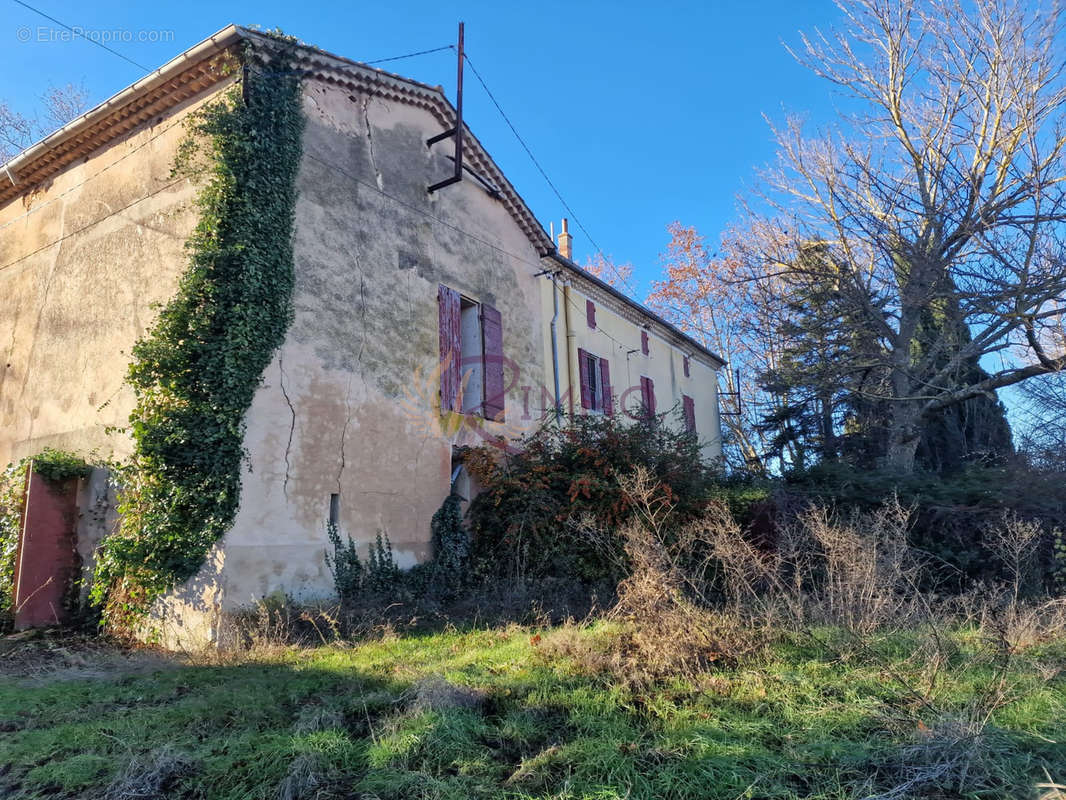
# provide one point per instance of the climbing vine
(195, 372)
(55, 466)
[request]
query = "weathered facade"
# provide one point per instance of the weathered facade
(422, 321)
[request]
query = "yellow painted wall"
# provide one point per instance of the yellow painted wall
(617, 333)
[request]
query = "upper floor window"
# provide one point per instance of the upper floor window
(595, 374)
(471, 355)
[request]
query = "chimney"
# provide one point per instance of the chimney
(566, 243)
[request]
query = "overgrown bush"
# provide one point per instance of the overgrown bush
(448, 572)
(355, 580)
(539, 509)
(952, 514)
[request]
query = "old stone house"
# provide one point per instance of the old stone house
(422, 321)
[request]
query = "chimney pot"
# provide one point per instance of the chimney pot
(566, 242)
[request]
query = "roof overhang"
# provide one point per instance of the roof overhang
(204, 65)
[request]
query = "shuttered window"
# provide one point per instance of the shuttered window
(448, 302)
(590, 313)
(688, 407)
(647, 395)
(595, 377)
(684, 364)
(492, 335)
(644, 343)
(471, 354)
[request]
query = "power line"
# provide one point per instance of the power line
(82, 35)
(115, 163)
(411, 55)
(85, 227)
(544, 174)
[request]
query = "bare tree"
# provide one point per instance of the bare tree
(59, 105)
(940, 188)
(707, 295)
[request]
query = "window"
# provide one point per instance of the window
(471, 356)
(647, 395)
(590, 314)
(644, 343)
(688, 407)
(595, 374)
(684, 364)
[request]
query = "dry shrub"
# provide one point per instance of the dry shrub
(151, 775)
(658, 626)
(435, 693)
(856, 571)
(305, 780)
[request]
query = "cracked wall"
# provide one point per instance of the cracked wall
(350, 403)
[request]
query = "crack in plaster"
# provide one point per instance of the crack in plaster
(292, 424)
(370, 143)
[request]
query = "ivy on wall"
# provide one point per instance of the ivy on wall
(195, 372)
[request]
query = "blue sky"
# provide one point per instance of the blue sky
(640, 113)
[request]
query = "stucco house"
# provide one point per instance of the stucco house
(421, 321)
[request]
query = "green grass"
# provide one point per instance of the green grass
(351, 722)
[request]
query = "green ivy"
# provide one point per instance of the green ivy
(194, 374)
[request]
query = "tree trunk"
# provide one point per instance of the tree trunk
(904, 435)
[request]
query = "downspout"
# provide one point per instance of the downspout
(555, 350)
(571, 346)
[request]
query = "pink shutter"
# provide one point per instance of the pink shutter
(450, 348)
(605, 386)
(492, 336)
(590, 313)
(684, 363)
(647, 395)
(689, 408)
(644, 342)
(583, 372)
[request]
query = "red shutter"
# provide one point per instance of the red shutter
(450, 348)
(605, 387)
(590, 313)
(689, 408)
(492, 336)
(644, 342)
(583, 372)
(647, 395)
(684, 363)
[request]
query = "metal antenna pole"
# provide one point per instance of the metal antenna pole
(457, 131)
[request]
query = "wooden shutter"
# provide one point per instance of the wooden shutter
(647, 395)
(607, 403)
(684, 364)
(644, 342)
(492, 336)
(590, 313)
(450, 347)
(689, 408)
(583, 372)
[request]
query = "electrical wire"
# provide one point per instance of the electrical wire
(115, 163)
(83, 36)
(410, 55)
(85, 227)
(544, 174)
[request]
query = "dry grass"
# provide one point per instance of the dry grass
(151, 776)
